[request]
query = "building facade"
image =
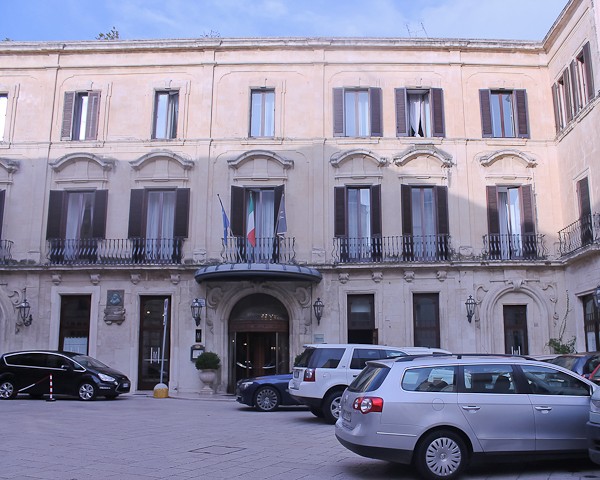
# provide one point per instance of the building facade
(389, 179)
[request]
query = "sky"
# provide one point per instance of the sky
(63, 20)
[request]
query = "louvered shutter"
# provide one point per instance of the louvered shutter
(401, 113)
(136, 206)
(67, 122)
(406, 199)
(93, 113)
(2, 201)
(237, 211)
(522, 117)
(566, 78)
(577, 102)
(492, 210)
(589, 76)
(376, 112)
(339, 209)
(278, 193)
(55, 211)
(583, 192)
(99, 220)
(182, 212)
(555, 100)
(486, 113)
(437, 112)
(528, 214)
(441, 195)
(338, 112)
(376, 210)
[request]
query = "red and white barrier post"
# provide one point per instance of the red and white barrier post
(51, 399)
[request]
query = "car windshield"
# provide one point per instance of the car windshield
(87, 362)
(320, 358)
(369, 379)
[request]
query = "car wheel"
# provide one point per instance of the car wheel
(317, 412)
(441, 455)
(7, 390)
(266, 399)
(87, 391)
(331, 406)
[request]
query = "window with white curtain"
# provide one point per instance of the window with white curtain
(3, 111)
(419, 113)
(79, 221)
(424, 222)
(356, 113)
(160, 218)
(166, 110)
(509, 213)
(359, 221)
(262, 113)
(264, 221)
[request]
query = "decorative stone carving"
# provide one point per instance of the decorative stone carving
(95, 278)
(343, 278)
(56, 278)
(175, 278)
(136, 278)
(441, 275)
(377, 276)
(409, 276)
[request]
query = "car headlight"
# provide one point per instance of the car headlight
(245, 385)
(106, 378)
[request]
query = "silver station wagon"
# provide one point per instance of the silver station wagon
(441, 412)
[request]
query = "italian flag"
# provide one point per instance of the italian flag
(251, 229)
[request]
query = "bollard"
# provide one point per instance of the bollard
(161, 391)
(51, 398)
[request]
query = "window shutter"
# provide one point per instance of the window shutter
(406, 199)
(338, 112)
(182, 212)
(486, 113)
(527, 203)
(589, 76)
(577, 102)
(555, 100)
(401, 113)
(55, 210)
(93, 113)
(339, 207)
(522, 118)
(376, 211)
(583, 192)
(237, 211)
(2, 197)
(568, 95)
(441, 195)
(136, 205)
(279, 189)
(492, 210)
(67, 123)
(437, 112)
(99, 220)
(376, 112)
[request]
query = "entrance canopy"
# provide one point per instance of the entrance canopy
(257, 271)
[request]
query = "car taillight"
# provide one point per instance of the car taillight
(309, 375)
(368, 404)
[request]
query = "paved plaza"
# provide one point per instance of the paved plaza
(214, 437)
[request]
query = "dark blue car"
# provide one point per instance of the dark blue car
(265, 393)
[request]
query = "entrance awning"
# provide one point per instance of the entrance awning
(257, 271)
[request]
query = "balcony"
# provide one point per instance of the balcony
(5, 255)
(579, 234)
(267, 250)
(129, 251)
(499, 247)
(401, 248)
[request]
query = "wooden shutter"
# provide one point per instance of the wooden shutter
(401, 113)
(376, 210)
(522, 117)
(55, 213)
(555, 100)
(583, 193)
(577, 102)
(237, 211)
(589, 76)
(339, 209)
(2, 201)
(376, 112)
(338, 112)
(528, 214)
(486, 113)
(441, 195)
(406, 199)
(437, 112)
(67, 123)
(182, 212)
(492, 210)
(279, 189)
(99, 220)
(136, 208)
(93, 113)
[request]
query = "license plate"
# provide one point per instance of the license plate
(347, 416)
(125, 385)
(296, 373)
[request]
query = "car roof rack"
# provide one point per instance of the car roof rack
(459, 356)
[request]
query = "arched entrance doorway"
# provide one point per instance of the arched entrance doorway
(258, 338)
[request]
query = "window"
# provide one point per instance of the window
(166, 110)
(511, 224)
(430, 379)
(561, 93)
(585, 212)
(357, 226)
(158, 223)
(3, 112)
(591, 320)
(583, 83)
(504, 113)
(489, 379)
(262, 113)
(547, 381)
(515, 330)
(361, 319)
(419, 112)
(80, 116)
(426, 319)
(74, 323)
(425, 223)
(357, 112)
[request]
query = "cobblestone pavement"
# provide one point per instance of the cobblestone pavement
(140, 437)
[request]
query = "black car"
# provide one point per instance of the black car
(265, 393)
(72, 374)
(582, 363)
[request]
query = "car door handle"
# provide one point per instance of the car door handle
(470, 408)
(543, 409)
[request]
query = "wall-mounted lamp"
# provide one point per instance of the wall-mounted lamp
(318, 307)
(597, 297)
(196, 308)
(24, 317)
(470, 304)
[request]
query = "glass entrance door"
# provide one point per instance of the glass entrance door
(515, 329)
(151, 342)
(258, 354)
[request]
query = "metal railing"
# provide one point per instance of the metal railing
(499, 246)
(5, 255)
(579, 234)
(399, 248)
(128, 251)
(276, 249)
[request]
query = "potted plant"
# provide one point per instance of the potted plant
(207, 364)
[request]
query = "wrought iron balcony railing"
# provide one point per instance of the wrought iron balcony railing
(128, 251)
(579, 234)
(5, 255)
(276, 249)
(400, 248)
(514, 247)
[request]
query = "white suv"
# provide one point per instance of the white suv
(324, 370)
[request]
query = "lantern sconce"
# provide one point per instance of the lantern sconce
(318, 307)
(470, 304)
(196, 308)
(24, 317)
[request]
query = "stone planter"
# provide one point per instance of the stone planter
(209, 380)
